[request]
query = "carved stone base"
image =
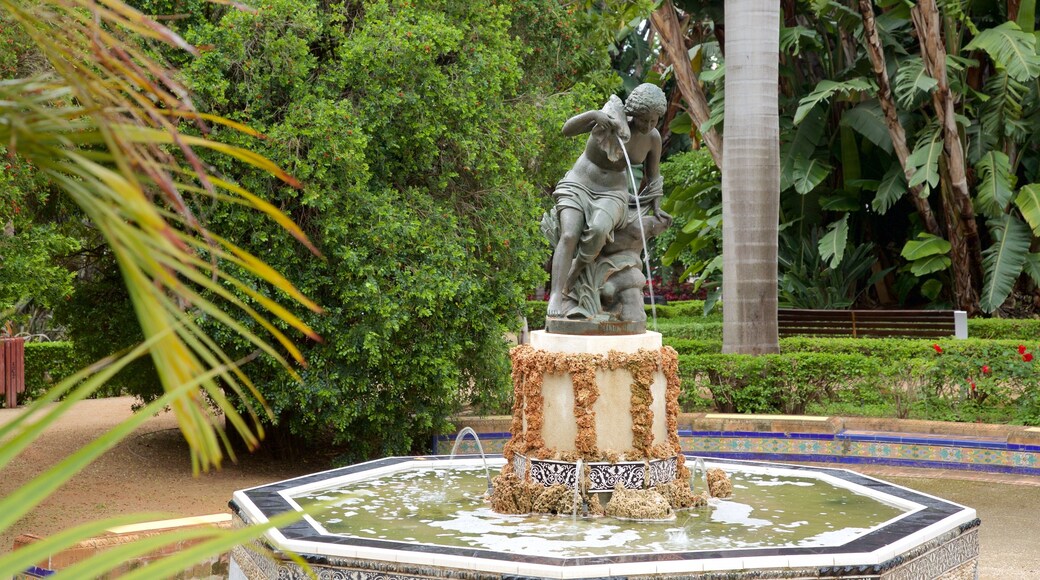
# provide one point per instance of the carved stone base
(585, 327)
(602, 476)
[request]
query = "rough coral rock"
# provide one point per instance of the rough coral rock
(638, 504)
(510, 495)
(719, 484)
(679, 494)
(556, 499)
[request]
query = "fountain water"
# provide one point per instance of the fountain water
(458, 442)
(642, 230)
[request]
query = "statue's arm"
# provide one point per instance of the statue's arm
(586, 122)
(652, 169)
(652, 163)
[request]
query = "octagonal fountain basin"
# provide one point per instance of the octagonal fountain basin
(426, 517)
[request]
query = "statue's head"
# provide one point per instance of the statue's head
(646, 103)
(646, 98)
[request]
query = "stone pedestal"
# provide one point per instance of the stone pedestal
(613, 406)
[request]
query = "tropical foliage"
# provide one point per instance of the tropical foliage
(911, 126)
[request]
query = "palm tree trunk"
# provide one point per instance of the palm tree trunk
(666, 23)
(888, 107)
(751, 178)
(967, 263)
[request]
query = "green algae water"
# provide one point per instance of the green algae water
(771, 507)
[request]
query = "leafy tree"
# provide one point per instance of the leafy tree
(426, 136)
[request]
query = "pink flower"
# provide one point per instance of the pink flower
(938, 348)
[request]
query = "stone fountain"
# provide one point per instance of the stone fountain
(594, 445)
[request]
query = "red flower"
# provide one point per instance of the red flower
(972, 383)
(937, 348)
(985, 369)
(1021, 349)
(1028, 357)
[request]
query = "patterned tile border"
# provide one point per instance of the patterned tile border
(850, 447)
(602, 476)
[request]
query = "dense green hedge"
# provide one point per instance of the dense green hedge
(991, 376)
(785, 383)
(1003, 328)
(47, 363)
(961, 380)
(683, 319)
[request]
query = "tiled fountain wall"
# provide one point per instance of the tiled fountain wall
(842, 440)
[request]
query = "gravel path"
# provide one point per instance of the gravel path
(150, 471)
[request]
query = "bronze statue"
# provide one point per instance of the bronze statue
(594, 201)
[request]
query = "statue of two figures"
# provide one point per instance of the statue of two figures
(597, 225)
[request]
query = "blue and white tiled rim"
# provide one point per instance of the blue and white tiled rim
(929, 519)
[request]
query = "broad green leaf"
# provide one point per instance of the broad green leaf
(892, 187)
(1027, 16)
(1012, 49)
(925, 160)
(841, 200)
(1004, 260)
(1032, 267)
(912, 84)
(825, 89)
(832, 244)
(797, 38)
(682, 124)
(808, 173)
(995, 188)
(925, 245)
(930, 264)
(931, 289)
(1028, 202)
(806, 139)
(868, 120)
(1001, 114)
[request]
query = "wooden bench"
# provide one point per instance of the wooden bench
(874, 323)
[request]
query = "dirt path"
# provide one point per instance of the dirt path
(150, 471)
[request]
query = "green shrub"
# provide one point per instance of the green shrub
(46, 363)
(534, 310)
(686, 328)
(694, 345)
(784, 383)
(1003, 328)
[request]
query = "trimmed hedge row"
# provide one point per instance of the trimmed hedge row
(672, 318)
(784, 383)
(685, 319)
(1003, 328)
(996, 381)
(46, 364)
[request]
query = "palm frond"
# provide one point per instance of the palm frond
(104, 128)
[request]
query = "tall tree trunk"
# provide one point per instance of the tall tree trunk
(967, 264)
(888, 107)
(666, 22)
(751, 178)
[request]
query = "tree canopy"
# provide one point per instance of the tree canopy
(425, 136)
